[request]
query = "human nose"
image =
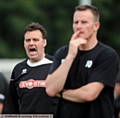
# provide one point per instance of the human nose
(79, 25)
(31, 42)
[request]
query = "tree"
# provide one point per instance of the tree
(56, 17)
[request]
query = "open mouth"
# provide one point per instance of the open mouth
(32, 49)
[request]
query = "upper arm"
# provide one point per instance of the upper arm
(105, 69)
(11, 104)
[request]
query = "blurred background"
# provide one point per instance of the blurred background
(56, 17)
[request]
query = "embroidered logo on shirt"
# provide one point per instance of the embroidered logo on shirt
(24, 71)
(88, 63)
(32, 83)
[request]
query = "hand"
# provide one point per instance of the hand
(74, 43)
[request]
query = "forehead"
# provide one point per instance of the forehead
(83, 15)
(33, 34)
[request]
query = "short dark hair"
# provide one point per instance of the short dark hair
(36, 26)
(93, 9)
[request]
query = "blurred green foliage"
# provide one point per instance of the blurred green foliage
(56, 17)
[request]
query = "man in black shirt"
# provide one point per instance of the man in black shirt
(83, 74)
(26, 93)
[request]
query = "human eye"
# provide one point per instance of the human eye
(84, 22)
(36, 39)
(75, 22)
(27, 40)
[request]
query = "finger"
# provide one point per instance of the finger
(81, 40)
(75, 35)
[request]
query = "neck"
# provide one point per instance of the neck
(89, 45)
(34, 60)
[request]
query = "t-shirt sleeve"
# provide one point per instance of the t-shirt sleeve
(11, 104)
(56, 62)
(106, 68)
(58, 58)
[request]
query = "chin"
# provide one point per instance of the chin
(32, 58)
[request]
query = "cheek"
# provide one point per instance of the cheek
(40, 46)
(74, 27)
(25, 46)
(90, 29)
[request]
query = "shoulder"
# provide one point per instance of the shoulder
(49, 57)
(3, 83)
(106, 47)
(2, 78)
(107, 50)
(1, 75)
(20, 64)
(63, 48)
(62, 51)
